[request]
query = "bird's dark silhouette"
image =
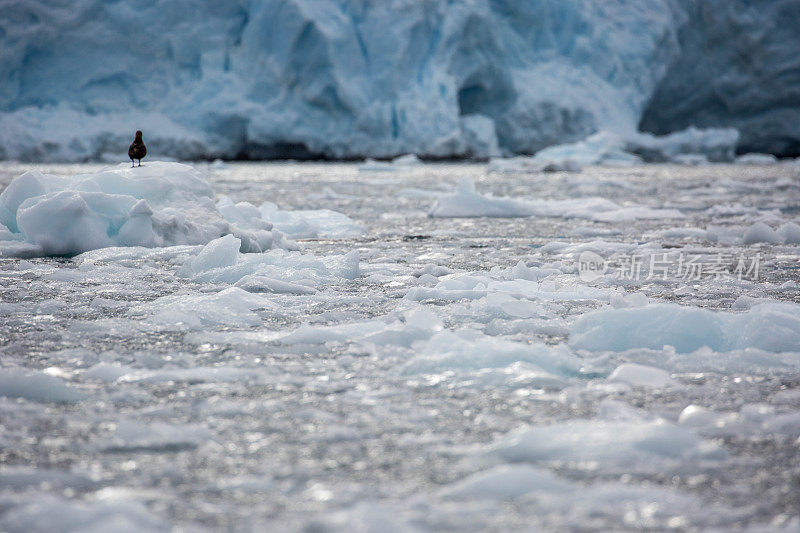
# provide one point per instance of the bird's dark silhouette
(137, 150)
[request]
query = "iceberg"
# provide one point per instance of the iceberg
(301, 79)
(159, 204)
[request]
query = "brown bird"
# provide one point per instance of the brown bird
(137, 150)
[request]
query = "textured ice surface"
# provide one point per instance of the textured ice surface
(297, 79)
(434, 373)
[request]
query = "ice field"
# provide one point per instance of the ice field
(400, 347)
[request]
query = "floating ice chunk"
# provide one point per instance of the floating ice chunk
(789, 233)
(516, 282)
(641, 376)
(230, 307)
(447, 351)
(746, 302)
(433, 270)
(714, 144)
(688, 233)
(25, 478)
(280, 265)
(107, 372)
(243, 213)
(760, 232)
(29, 185)
(161, 204)
(37, 387)
(752, 419)
(48, 513)
(364, 517)
(418, 324)
(522, 164)
(637, 444)
(636, 299)
(246, 223)
(345, 266)
(690, 159)
(138, 229)
(219, 253)
(772, 327)
(371, 165)
(756, 159)
(627, 214)
(407, 160)
(67, 223)
(697, 417)
(570, 505)
(524, 272)
(133, 436)
(256, 283)
(309, 334)
(312, 223)
(401, 162)
(508, 481)
(602, 148)
(465, 202)
(216, 374)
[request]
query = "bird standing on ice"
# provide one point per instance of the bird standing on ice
(137, 150)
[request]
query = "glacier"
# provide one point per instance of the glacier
(323, 79)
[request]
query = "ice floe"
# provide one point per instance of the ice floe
(619, 440)
(37, 387)
(466, 202)
(159, 204)
(772, 327)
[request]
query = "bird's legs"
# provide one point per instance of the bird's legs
(132, 163)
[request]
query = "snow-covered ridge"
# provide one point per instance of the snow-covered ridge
(297, 78)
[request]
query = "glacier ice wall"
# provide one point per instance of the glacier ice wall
(739, 67)
(346, 78)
